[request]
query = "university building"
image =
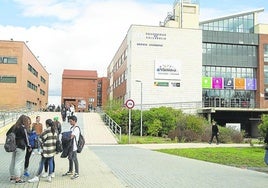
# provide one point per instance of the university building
(23, 79)
(83, 89)
(217, 68)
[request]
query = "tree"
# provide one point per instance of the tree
(263, 126)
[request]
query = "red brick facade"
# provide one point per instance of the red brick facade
(29, 87)
(80, 88)
(260, 94)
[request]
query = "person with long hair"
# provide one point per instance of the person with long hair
(48, 139)
(22, 143)
(28, 150)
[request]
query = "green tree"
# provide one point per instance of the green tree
(263, 126)
(155, 127)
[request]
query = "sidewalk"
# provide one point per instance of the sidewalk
(104, 164)
(93, 172)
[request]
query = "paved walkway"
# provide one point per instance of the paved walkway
(104, 164)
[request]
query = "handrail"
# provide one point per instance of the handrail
(9, 116)
(114, 127)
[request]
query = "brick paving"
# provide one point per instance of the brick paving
(104, 164)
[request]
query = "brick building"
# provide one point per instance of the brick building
(23, 79)
(83, 89)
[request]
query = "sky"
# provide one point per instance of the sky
(85, 34)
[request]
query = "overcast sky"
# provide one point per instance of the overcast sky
(85, 34)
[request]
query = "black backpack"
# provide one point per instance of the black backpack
(10, 144)
(81, 142)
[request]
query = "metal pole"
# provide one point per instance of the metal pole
(141, 107)
(129, 125)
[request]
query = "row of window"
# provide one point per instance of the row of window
(8, 79)
(228, 72)
(120, 61)
(229, 55)
(32, 70)
(227, 49)
(119, 80)
(42, 92)
(8, 60)
(265, 53)
(43, 79)
(228, 98)
(31, 86)
(241, 24)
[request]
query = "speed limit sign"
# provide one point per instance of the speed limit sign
(130, 104)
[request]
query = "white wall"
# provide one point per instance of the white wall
(183, 46)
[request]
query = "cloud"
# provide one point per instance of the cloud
(85, 34)
(88, 40)
(65, 10)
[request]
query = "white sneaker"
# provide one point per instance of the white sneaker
(49, 179)
(35, 179)
(53, 175)
(44, 174)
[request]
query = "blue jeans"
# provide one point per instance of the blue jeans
(50, 164)
(266, 156)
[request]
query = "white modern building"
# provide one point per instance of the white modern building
(217, 68)
(166, 61)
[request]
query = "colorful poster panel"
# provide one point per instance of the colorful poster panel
(228, 83)
(251, 84)
(206, 82)
(217, 83)
(240, 83)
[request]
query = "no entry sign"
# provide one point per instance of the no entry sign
(130, 104)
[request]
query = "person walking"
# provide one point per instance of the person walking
(22, 143)
(48, 139)
(215, 132)
(72, 156)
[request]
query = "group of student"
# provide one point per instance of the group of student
(32, 139)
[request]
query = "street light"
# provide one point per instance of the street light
(141, 106)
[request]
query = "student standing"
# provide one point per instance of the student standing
(48, 139)
(38, 128)
(31, 137)
(72, 157)
(22, 143)
(57, 125)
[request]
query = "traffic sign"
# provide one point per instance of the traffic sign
(130, 104)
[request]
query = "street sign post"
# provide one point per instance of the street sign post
(129, 104)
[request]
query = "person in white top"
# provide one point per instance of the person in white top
(72, 157)
(72, 110)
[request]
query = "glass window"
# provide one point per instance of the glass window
(265, 74)
(265, 55)
(8, 79)
(8, 60)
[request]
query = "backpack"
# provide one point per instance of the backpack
(80, 143)
(33, 139)
(10, 144)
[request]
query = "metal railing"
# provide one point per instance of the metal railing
(113, 126)
(11, 115)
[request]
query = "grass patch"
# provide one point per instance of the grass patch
(238, 157)
(144, 140)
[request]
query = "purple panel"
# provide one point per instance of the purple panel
(217, 83)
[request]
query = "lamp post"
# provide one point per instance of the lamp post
(141, 106)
